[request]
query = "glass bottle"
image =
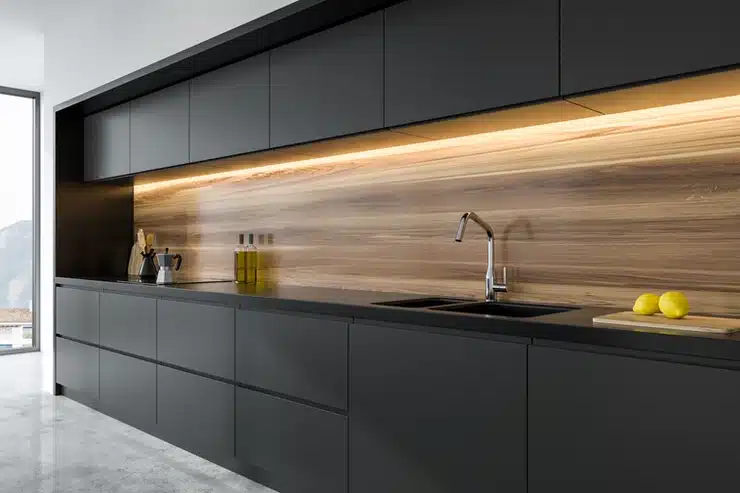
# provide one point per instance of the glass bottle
(240, 261)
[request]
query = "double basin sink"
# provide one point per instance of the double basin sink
(457, 305)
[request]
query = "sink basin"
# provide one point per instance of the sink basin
(423, 302)
(503, 309)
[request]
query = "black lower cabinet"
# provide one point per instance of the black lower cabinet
(435, 413)
(77, 371)
(196, 413)
(614, 424)
(291, 447)
(128, 389)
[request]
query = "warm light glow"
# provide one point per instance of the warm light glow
(710, 108)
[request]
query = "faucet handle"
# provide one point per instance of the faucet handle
(500, 287)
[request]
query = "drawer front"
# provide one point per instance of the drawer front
(298, 356)
(196, 336)
(77, 370)
(291, 447)
(77, 314)
(129, 323)
(128, 389)
(196, 413)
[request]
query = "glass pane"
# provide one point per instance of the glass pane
(16, 227)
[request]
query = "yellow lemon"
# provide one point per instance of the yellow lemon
(646, 304)
(674, 304)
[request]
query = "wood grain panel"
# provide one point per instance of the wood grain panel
(593, 211)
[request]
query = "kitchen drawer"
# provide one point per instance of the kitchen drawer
(291, 447)
(298, 356)
(196, 413)
(128, 389)
(77, 370)
(129, 323)
(196, 336)
(77, 314)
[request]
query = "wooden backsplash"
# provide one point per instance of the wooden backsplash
(593, 211)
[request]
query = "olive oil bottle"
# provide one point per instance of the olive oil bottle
(251, 260)
(245, 261)
(240, 262)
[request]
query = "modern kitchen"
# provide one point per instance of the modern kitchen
(417, 246)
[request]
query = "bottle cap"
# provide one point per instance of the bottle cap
(241, 238)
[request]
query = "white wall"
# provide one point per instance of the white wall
(88, 43)
(21, 45)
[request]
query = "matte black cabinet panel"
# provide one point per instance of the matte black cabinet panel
(159, 129)
(195, 336)
(294, 355)
(196, 413)
(614, 424)
(328, 84)
(292, 447)
(435, 413)
(128, 389)
(230, 110)
(606, 44)
(107, 143)
(77, 369)
(445, 57)
(77, 314)
(129, 323)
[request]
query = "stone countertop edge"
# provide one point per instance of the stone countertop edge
(575, 326)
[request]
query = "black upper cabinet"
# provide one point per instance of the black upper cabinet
(129, 324)
(614, 424)
(298, 356)
(77, 314)
(436, 413)
(107, 143)
(606, 44)
(230, 110)
(445, 57)
(328, 84)
(159, 129)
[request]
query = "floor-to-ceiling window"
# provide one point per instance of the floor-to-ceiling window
(18, 236)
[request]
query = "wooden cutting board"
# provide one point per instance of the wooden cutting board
(694, 323)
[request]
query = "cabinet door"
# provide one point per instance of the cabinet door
(447, 57)
(159, 129)
(435, 413)
(128, 389)
(196, 336)
(292, 447)
(606, 44)
(614, 424)
(295, 355)
(77, 314)
(196, 413)
(77, 370)
(107, 143)
(129, 324)
(328, 84)
(230, 110)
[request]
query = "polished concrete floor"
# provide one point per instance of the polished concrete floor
(52, 444)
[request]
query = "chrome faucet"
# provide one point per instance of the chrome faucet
(492, 287)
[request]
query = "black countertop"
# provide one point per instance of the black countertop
(573, 326)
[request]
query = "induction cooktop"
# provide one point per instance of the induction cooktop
(177, 280)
